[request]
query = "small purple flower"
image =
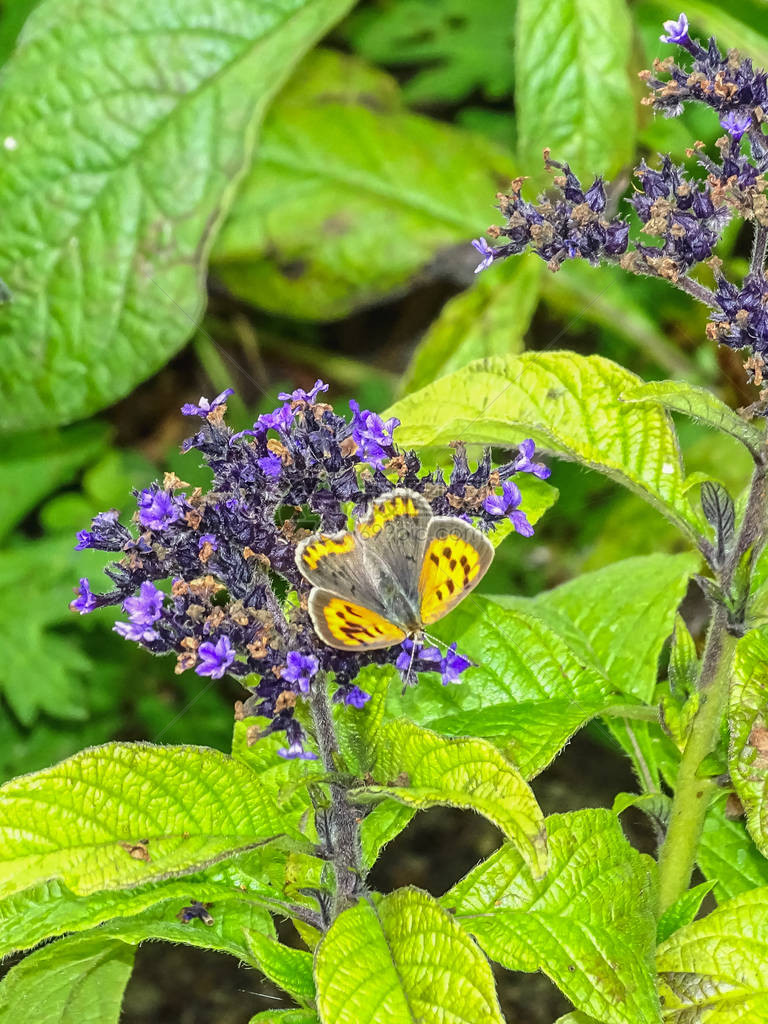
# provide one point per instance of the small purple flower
(216, 658)
(296, 751)
(157, 508)
(299, 669)
(281, 419)
(300, 395)
(523, 463)
(372, 434)
(412, 652)
(452, 665)
(207, 538)
(271, 465)
(137, 631)
(736, 125)
(147, 607)
(204, 407)
(485, 250)
(507, 504)
(106, 533)
(85, 540)
(85, 601)
(676, 31)
(357, 698)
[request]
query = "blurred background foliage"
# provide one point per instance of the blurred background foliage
(343, 253)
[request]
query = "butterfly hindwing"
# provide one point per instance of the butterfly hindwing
(456, 557)
(350, 626)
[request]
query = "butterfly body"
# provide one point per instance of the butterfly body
(400, 569)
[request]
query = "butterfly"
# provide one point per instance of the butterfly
(399, 570)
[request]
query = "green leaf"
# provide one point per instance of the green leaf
(589, 924)
(50, 909)
(290, 969)
(716, 969)
(421, 769)
(456, 48)
(489, 319)
(572, 86)
(285, 1017)
(701, 405)
(727, 855)
(36, 464)
(569, 404)
(106, 243)
(683, 659)
(626, 612)
(370, 966)
(748, 728)
(78, 980)
(682, 911)
(372, 185)
(385, 821)
(528, 732)
(119, 822)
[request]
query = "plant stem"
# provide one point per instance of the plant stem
(692, 794)
(759, 246)
(343, 832)
(698, 291)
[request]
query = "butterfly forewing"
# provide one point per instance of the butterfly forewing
(350, 626)
(456, 557)
(335, 562)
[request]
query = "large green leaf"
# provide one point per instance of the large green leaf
(727, 855)
(79, 980)
(117, 174)
(700, 404)
(589, 924)
(132, 813)
(572, 86)
(490, 319)
(402, 960)
(569, 404)
(50, 909)
(715, 970)
(748, 727)
(351, 195)
(421, 769)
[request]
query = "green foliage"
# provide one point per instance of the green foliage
(748, 726)
(98, 840)
(421, 769)
(110, 276)
(727, 855)
(85, 977)
(384, 197)
(569, 405)
(701, 405)
(463, 47)
(383, 945)
(489, 319)
(715, 969)
(683, 911)
(594, 911)
(572, 85)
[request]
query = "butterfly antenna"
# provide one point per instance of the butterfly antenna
(433, 639)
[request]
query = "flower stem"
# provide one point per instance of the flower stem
(692, 794)
(343, 831)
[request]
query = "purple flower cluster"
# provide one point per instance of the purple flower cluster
(226, 553)
(682, 214)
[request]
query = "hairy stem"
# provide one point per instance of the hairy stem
(759, 246)
(698, 291)
(342, 830)
(693, 794)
